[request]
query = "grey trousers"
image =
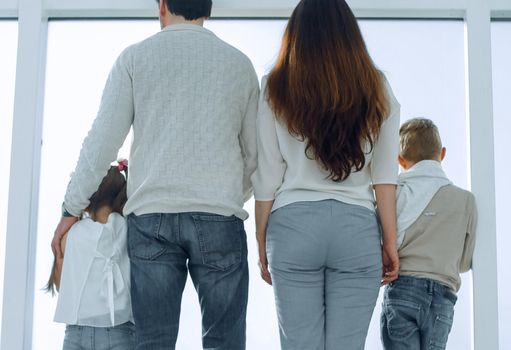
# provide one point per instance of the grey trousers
(325, 262)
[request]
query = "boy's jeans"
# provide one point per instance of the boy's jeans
(417, 314)
(213, 248)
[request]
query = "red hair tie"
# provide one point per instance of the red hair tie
(122, 164)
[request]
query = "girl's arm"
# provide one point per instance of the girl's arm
(386, 203)
(262, 213)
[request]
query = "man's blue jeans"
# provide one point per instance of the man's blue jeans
(417, 314)
(213, 248)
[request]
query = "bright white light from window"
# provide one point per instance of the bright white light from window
(8, 43)
(501, 45)
(423, 60)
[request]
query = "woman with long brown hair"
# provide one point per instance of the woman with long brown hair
(328, 144)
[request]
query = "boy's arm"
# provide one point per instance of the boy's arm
(470, 237)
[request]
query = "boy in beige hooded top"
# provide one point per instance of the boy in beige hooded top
(436, 224)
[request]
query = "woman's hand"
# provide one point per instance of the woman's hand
(263, 259)
(386, 203)
(262, 214)
(390, 260)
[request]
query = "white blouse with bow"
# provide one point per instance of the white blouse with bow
(95, 282)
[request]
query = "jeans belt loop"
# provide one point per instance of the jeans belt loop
(431, 287)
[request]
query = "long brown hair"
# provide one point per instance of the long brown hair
(325, 87)
(112, 193)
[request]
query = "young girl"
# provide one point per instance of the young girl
(93, 277)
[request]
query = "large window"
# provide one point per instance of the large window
(501, 44)
(8, 43)
(423, 60)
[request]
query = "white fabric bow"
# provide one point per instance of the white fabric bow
(112, 283)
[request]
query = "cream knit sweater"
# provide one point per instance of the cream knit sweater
(192, 102)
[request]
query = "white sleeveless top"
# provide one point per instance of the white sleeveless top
(95, 283)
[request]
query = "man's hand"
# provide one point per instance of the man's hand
(64, 225)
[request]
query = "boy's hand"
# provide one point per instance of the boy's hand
(64, 225)
(390, 264)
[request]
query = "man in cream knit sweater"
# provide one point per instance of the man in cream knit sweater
(192, 102)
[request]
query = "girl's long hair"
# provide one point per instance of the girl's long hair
(111, 192)
(325, 87)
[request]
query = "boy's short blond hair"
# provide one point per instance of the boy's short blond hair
(419, 140)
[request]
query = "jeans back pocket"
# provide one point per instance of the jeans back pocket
(402, 317)
(441, 329)
(222, 240)
(143, 241)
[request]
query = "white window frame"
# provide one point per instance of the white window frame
(33, 15)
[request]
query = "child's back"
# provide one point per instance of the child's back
(94, 275)
(436, 224)
(94, 289)
(439, 245)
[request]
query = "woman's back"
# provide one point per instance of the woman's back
(297, 177)
(327, 135)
